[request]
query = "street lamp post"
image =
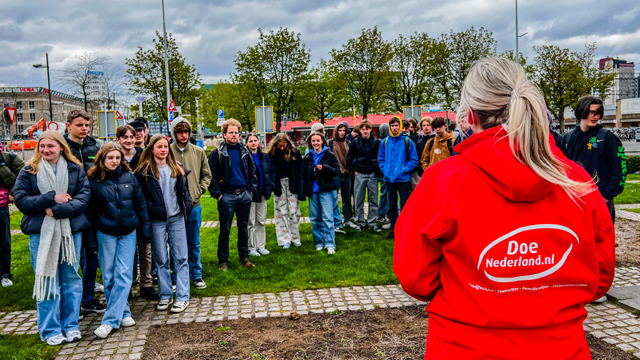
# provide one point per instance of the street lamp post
(518, 36)
(38, 66)
(166, 67)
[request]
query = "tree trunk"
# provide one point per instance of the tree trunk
(278, 123)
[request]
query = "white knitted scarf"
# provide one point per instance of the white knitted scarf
(55, 234)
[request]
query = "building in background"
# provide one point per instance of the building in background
(624, 86)
(32, 104)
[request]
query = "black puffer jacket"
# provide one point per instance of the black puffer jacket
(153, 195)
(268, 176)
(118, 206)
(295, 168)
(32, 203)
(86, 152)
(221, 171)
(325, 177)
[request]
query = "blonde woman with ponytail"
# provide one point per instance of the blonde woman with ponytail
(508, 240)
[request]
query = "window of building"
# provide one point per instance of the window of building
(20, 129)
(32, 105)
(19, 105)
(19, 117)
(32, 117)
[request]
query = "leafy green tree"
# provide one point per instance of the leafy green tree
(462, 50)
(237, 100)
(276, 68)
(323, 93)
(564, 76)
(363, 66)
(414, 71)
(145, 76)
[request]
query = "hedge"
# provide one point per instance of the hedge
(633, 163)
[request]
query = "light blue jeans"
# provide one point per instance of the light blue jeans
(337, 217)
(116, 255)
(177, 234)
(193, 242)
(322, 222)
(59, 314)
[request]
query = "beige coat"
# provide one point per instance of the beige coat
(439, 149)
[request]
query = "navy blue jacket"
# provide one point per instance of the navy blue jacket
(268, 177)
(33, 204)
(600, 153)
(118, 206)
(86, 152)
(363, 155)
(325, 177)
(221, 171)
(155, 201)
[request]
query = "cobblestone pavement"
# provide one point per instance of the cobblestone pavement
(128, 343)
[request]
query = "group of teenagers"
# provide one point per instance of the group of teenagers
(136, 204)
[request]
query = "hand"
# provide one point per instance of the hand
(63, 198)
(355, 173)
(220, 197)
(11, 199)
(319, 167)
(49, 212)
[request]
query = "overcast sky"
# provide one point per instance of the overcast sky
(210, 33)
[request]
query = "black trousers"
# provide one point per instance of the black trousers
(402, 189)
(5, 243)
(612, 209)
(240, 204)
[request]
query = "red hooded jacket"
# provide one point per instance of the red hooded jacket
(506, 258)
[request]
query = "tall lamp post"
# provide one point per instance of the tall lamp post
(166, 67)
(518, 36)
(39, 66)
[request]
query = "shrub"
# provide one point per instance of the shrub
(633, 163)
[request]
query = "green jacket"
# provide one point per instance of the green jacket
(193, 158)
(9, 171)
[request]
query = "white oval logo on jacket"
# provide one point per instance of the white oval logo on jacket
(525, 260)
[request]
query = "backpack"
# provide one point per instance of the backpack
(407, 156)
(449, 145)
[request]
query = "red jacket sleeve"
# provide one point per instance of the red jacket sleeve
(418, 233)
(605, 246)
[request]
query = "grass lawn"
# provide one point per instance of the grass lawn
(210, 208)
(26, 347)
(630, 195)
(18, 296)
(633, 177)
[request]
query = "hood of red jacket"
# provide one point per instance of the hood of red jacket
(490, 154)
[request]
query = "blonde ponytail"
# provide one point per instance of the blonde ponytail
(497, 90)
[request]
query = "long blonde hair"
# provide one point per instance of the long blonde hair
(289, 151)
(147, 161)
(498, 91)
(57, 137)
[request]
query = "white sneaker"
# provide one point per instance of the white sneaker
(386, 226)
(103, 331)
(601, 300)
(297, 243)
(254, 253)
(98, 288)
(264, 251)
(56, 340)
(340, 231)
(127, 322)
(163, 304)
(350, 224)
(73, 336)
(331, 251)
(179, 306)
(6, 282)
(319, 248)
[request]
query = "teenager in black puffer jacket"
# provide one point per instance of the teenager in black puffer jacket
(116, 209)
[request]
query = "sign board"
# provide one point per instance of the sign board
(107, 124)
(53, 126)
(170, 115)
(172, 106)
(328, 115)
(220, 122)
(9, 114)
(264, 124)
(119, 116)
(140, 99)
(412, 112)
(221, 114)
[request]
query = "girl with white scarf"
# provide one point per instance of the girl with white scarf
(52, 191)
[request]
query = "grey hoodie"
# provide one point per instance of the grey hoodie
(383, 130)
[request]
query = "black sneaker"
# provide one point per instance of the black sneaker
(391, 236)
(93, 306)
(149, 293)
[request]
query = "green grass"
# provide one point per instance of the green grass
(633, 210)
(26, 347)
(15, 219)
(18, 296)
(633, 177)
(361, 259)
(630, 195)
(210, 208)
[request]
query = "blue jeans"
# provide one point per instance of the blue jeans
(89, 263)
(383, 204)
(321, 216)
(175, 228)
(59, 313)
(193, 243)
(337, 217)
(116, 262)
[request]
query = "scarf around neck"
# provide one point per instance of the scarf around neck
(55, 234)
